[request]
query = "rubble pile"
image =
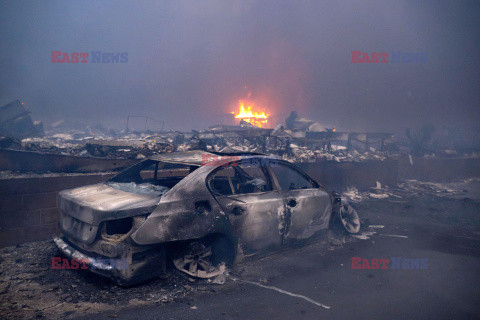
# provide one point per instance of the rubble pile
(407, 189)
(337, 153)
(299, 140)
(129, 146)
(229, 139)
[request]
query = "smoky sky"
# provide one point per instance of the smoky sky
(189, 62)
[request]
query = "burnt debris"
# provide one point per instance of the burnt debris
(299, 140)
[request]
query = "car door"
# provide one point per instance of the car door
(308, 206)
(244, 191)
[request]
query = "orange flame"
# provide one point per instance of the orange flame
(258, 119)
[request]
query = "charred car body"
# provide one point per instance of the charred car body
(200, 208)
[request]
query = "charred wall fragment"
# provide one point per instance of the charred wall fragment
(16, 122)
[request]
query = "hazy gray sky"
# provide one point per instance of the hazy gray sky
(189, 61)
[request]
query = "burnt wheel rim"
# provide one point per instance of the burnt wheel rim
(196, 261)
(349, 219)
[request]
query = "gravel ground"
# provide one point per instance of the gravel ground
(30, 288)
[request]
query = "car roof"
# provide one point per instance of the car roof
(200, 158)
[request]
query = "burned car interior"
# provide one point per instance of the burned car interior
(238, 178)
(251, 177)
(153, 173)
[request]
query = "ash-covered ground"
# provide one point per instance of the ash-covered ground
(437, 222)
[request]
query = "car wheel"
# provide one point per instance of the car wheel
(346, 218)
(205, 259)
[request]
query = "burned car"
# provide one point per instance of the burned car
(197, 209)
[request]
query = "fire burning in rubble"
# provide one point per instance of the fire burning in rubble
(250, 113)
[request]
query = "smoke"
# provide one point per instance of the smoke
(189, 62)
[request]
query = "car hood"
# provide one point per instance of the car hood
(96, 203)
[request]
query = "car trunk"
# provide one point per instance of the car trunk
(83, 209)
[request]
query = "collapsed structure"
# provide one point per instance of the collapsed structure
(299, 141)
(16, 124)
(67, 147)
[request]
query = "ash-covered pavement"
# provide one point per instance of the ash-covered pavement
(306, 281)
